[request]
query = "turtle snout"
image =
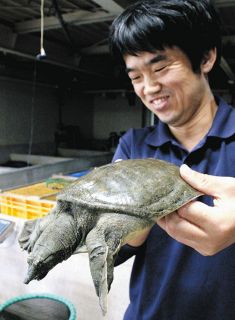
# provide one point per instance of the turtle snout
(38, 268)
(34, 270)
(31, 274)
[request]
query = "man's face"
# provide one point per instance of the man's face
(167, 85)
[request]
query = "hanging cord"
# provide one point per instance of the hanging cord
(42, 53)
(32, 112)
(40, 56)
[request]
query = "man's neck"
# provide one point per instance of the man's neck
(192, 132)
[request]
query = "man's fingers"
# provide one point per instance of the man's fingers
(197, 213)
(202, 182)
(181, 229)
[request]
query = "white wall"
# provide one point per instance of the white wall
(114, 115)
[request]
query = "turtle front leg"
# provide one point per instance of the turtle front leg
(32, 230)
(103, 242)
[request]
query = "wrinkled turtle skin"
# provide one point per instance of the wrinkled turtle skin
(101, 212)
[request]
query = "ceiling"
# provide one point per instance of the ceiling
(74, 36)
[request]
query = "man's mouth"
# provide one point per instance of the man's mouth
(159, 103)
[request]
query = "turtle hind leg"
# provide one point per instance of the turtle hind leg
(103, 243)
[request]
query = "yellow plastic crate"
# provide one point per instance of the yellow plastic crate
(25, 208)
(34, 201)
(37, 190)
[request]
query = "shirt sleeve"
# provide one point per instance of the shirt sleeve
(123, 150)
(127, 252)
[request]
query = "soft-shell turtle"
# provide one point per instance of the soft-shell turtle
(101, 211)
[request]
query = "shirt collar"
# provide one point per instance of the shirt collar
(225, 115)
(223, 125)
(159, 135)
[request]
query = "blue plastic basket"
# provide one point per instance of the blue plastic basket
(79, 174)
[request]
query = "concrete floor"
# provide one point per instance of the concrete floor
(70, 279)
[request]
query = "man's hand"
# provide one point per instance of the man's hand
(140, 239)
(206, 229)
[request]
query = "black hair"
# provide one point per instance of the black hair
(150, 25)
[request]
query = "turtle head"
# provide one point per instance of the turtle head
(57, 241)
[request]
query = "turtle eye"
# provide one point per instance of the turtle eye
(66, 207)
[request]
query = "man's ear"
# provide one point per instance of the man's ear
(209, 60)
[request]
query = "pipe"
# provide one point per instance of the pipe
(59, 64)
(63, 25)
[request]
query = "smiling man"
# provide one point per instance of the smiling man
(167, 85)
(168, 49)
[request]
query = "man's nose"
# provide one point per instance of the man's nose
(151, 86)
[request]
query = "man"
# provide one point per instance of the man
(168, 49)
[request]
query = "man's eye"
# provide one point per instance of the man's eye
(135, 78)
(159, 69)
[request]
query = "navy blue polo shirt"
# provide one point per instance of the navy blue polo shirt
(169, 280)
